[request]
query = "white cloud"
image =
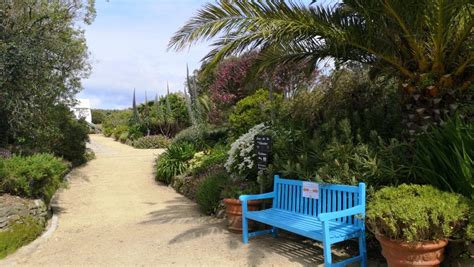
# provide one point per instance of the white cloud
(128, 45)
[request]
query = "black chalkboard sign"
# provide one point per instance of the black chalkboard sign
(263, 149)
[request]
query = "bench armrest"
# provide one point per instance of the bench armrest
(244, 198)
(342, 213)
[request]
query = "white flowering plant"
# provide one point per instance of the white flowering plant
(241, 161)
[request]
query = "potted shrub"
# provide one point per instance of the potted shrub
(413, 223)
(234, 206)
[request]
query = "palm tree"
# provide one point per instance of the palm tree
(426, 44)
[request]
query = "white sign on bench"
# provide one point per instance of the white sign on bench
(311, 190)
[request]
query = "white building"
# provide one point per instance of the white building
(83, 110)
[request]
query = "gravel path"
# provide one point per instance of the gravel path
(114, 213)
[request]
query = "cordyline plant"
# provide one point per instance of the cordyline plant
(426, 44)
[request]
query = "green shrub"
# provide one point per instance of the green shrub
(334, 155)
(98, 116)
(193, 134)
(415, 213)
(152, 141)
(117, 132)
(64, 136)
(216, 156)
(252, 110)
(174, 161)
(37, 176)
(444, 157)
(123, 137)
(209, 191)
(21, 233)
(116, 119)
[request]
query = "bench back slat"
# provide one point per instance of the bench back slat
(332, 197)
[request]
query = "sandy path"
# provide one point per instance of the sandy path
(113, 213)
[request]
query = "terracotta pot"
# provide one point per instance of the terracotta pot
(401, 254)
(234, 213)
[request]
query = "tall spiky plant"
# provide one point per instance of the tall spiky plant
(192, 99)
(135, 119)
(426, 44)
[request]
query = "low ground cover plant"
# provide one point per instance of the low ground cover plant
(37, 176)
(21, 233)
(414, 213)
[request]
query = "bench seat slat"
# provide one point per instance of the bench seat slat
(302, 224)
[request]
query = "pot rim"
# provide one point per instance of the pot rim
(425, 245)
(237, 201)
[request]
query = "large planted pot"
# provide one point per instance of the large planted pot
(401, 254)
(234, 213)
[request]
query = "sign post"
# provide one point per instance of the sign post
(263, 149)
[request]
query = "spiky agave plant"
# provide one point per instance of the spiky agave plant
(426, 44)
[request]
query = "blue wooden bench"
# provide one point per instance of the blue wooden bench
(337, 215)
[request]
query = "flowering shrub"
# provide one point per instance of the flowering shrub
(242, 154)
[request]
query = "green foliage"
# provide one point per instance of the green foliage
(444, 157)
(350, 30)
(253, 110)
(416, 213)
(334, 155)
(237, 187)
(116, 119)
(117, 132)
(123, 137)
(348, 93)
(44, 58)
(209, 191)
(69, 140)
(21, 233)
(37, 176)
(202, 136)
(174, 161)
(193, 134)
(98, 115)
(169, 115)
(152, 141)
(205, 160)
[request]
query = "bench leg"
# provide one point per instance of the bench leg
(362, 250)
(245, 230)
(327, 254)
(275, 232)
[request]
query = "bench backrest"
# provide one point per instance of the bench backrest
(332, 197)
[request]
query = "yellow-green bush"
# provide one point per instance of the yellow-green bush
(252, 110)
(416, 213)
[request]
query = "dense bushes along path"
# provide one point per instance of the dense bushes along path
(114, 213)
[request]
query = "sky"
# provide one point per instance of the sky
(128, 49)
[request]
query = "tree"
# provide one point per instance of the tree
(426, 44)
(43, 58)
